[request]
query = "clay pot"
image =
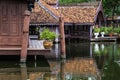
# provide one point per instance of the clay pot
(47, 44)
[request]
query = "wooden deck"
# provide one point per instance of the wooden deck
(35, 48)
(112, 38)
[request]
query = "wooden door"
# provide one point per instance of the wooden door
(11, 21)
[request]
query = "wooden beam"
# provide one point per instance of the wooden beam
(25, 36)
(62, 37)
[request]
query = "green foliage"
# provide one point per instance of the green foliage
(46, 34)
(110, 29)
(96, 30)
(71, 1)
(103, 29)
(111, 7)
(116, 30)
(107, 30)
(111, 71)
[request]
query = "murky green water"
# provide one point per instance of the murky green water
(85, 61)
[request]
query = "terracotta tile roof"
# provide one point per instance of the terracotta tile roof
(71, 14)
(77, 14)
(39, 14)
(51, 1)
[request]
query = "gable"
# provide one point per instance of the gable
(44, 13)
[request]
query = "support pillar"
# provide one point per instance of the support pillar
(25, 36)
(62, 37)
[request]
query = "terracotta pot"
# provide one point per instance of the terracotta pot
(47, 44)
(110, 34)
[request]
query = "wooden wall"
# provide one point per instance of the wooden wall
(11, 21)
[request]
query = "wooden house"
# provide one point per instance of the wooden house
(44, 15)
(79, 20)
(11, 22)
(82, 18)
(14, 30)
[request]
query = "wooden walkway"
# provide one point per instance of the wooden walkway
(112, 38)
(35, 48)
(35, 45)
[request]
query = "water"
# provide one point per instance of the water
(85, 61)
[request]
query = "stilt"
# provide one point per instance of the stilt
(25, 36)
(62, 37)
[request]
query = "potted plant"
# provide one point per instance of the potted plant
(116, 31)
(103, 31)
(96, 32)
(48, 37)
(110, 30)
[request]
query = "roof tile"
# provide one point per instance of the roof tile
(71, 14)
(77, 14)
(40, 15)
(51, 1)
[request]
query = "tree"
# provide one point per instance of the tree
(111, 7)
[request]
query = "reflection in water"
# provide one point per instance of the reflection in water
(80, 68)
(71, 69)
(85, 61)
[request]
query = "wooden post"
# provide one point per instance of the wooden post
(62, 37)
(90, 34)
(25, 36)
(23, 70)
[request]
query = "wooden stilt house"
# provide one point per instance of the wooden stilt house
(14, 29)
(43, 15)
(14, 26)
(82, 19)
(79, 19)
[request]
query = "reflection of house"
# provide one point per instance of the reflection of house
(76, 68)
(79, 67)
(79, 20)
(11, 71)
